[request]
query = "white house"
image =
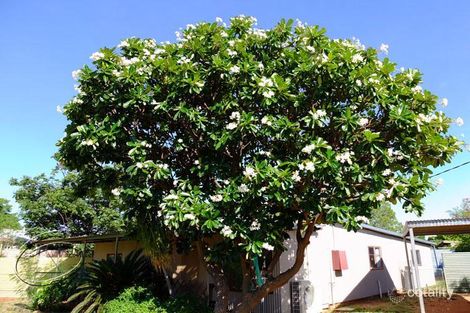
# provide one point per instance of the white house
(342, 266)
(339, 266)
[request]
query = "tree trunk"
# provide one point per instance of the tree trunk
(220, 284)
(221, 289)
(251, 300)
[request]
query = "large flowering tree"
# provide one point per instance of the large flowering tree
(234, 135)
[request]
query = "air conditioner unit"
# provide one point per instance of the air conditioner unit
(301, 295)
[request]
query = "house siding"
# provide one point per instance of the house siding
(359, 280)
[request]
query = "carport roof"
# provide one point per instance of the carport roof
(438, 226)
(83, 239)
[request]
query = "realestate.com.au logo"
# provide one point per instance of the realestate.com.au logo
(428, 293)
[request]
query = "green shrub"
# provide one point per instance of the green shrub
(106, 279)
(52, 297)
(186, 304)
(134, 300)
(141, 300)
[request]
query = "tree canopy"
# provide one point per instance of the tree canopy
(8, 220)
(234, 135)
(52, 206)
(384, 217)
(461, 241)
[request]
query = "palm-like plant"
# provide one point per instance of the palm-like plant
(156, 245)
(105, 279)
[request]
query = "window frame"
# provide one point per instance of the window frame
(375, 260)
(419, 261)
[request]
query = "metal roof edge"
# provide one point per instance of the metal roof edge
(394, 234)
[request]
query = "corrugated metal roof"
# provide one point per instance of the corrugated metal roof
(393, 234)
(83, 239)
(438, 226)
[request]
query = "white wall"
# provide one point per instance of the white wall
(358, 281)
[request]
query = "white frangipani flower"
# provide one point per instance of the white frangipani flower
(459, 121)
(171, 197)
(249, 172)
(96, 56)
(243, 188)
(345, 157)
(380, 197)
(309, 166)
(309, 148)
(255, 225)
(362, 219)
(444, 102)
(123, 44)
(363, 121)
(310, 49)
(226, 231)
(76, 74)
(116, 191)
(318, 114)
(267, 246)
(295, 176)
(386, 172)
(231, 126)
(183, 60)
(417, 89)
(384, 48)
(268, 94)
(231, 52)
(216, 198)
(234, 69)
(189, 216)
(88, 142)
(235, 116)
(266, 121)
(59, 109)
(219, 20)
(265, 82)
(357, 58)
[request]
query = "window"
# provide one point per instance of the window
(110, 256)
(418, 257)
(375, 258)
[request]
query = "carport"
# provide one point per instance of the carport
(452, 226)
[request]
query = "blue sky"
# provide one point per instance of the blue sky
(42, 42)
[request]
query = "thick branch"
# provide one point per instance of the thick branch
(249, 301)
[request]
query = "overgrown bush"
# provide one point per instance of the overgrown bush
(133, 300)
(106, 279)
(53, 297)
(141, 300)
(186, 304)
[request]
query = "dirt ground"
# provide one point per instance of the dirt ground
(14, 305)
(459, 303)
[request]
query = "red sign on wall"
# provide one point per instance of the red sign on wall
(339, 260)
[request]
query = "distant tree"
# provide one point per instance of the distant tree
(8, 220)
(234, 135)
(461, 211)
(54, 205)
(462, 240)
(384, 217)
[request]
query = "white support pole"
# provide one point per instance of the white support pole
(410, 275)
(416, 271)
